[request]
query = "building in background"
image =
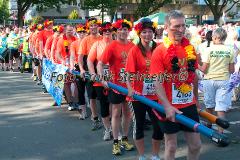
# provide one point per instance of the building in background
(13, 11)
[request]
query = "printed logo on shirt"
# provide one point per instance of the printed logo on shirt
(220, 54)
(124, 57)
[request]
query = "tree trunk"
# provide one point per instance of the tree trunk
(20, 20)
(217, 18)
(20, 14)
(102, 10)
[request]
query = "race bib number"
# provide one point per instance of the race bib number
(180, 98)
(148, 87)
(106, 71)
(122, 75)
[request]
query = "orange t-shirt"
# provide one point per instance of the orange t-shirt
(85, 47)
(115, 54)
(62, 49)
(33, 42)
(87, 43)
(160, 64)
(44, 34)
(139, 66)
(74, 47)
(54, 48)
(37, 47)
(48, 46)
(96, 53)
(30, 41)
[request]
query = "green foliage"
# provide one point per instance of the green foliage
(218, 7)
(103, 5)
(147, 7)
(4, 14)
(23, 6)
(73, 15)
(37, 19)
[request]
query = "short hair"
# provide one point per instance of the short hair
(235, 35)
(220, 33)
(174, 14)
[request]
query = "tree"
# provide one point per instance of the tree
(103, 5)
(24, 5)
(219, 6)
(4, 14)
(146, 7)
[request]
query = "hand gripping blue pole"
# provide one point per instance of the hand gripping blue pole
(216, 137)
(220, 139)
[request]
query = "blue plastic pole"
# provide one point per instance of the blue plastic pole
(216, 137)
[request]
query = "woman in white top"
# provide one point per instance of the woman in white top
(218, 64)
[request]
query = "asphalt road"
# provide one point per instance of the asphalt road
(31, 129)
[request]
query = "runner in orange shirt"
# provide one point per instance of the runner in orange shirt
(115, 54)
(83, 52)
(43, 35)
(80, 92)
(137, 68)
(63, 55)
(47, 48)
(175, 61)
(74, 48)
(93, 57)
(37, 54)
(56, 37)
(57, 34)
(33, 28)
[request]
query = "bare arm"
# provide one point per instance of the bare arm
(100, 73)
(59, 57)
(203, 67)
(80, 62)
(231, 68)
(129, 85)
(91, 69)
(195, 90)
(41, 50)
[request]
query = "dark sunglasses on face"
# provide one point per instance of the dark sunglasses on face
(106, 30)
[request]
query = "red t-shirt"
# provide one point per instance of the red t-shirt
(139, 66)
(161, 65)
(115, 54)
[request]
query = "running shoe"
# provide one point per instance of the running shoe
(39, 82)
(35, 78)
(96, 125)
(142, 158)
(155, 157)
(83, 115)
(116, 149)
(70, 107)
(126, 145)
(107, 135)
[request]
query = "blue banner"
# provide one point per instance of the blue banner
(53, 77)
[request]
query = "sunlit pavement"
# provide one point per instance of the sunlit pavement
(31, 129)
